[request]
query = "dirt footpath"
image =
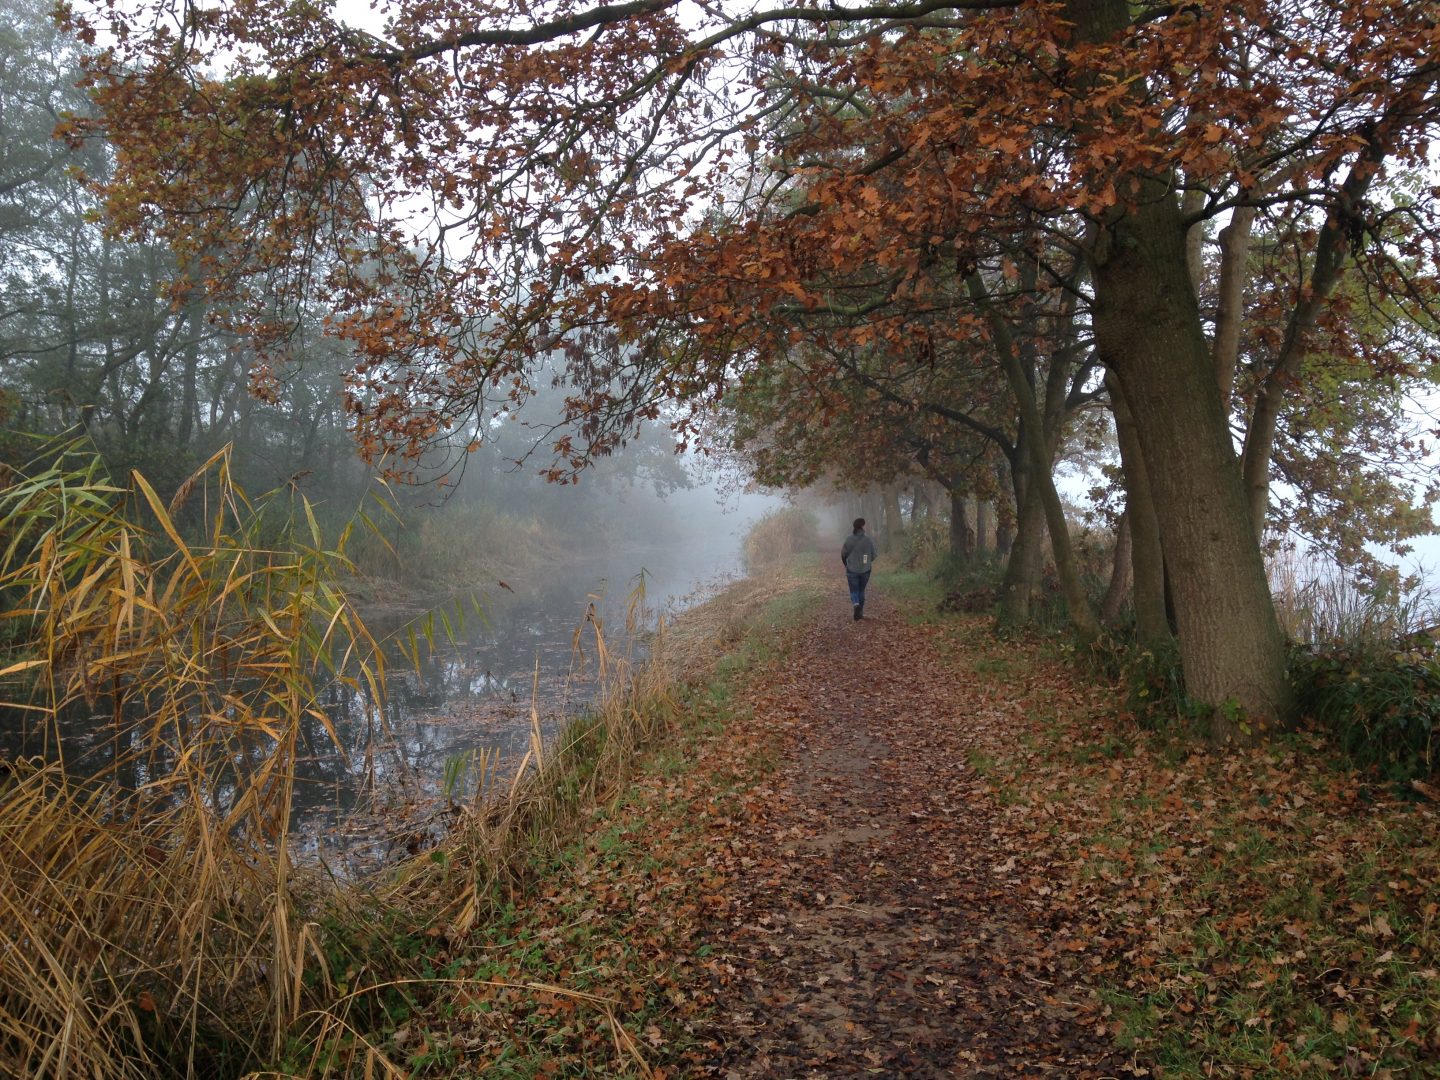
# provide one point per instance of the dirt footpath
(884, 926)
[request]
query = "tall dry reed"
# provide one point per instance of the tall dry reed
(149, 921)
(154, 924)
(1320, 603)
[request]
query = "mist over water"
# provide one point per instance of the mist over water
(537, 568)
(530, 646)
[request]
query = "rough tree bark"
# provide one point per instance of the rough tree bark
(1147, 323)
(962, 540)
(1026, 550)
(1147, 318)
(1006, 514)
(894, 520)
(1121, 574)
(1152, 626)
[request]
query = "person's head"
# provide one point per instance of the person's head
(858, 524)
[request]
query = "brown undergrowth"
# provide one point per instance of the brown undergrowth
(154, 923)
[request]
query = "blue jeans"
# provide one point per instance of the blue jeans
(857, 585)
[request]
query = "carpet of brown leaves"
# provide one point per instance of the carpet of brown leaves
(972, 863)
(905, 847)
(886, 922)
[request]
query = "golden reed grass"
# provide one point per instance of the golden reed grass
(152, 921)
(149, 921)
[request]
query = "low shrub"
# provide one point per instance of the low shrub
(1149, 681)
(924, 543)
(162, 929)
(971, 584)
(962, 573)
(1094, 553)
(1381, 705)
(975, 601)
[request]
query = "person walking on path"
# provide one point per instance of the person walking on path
(858, 553)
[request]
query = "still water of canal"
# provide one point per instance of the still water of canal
(399, 766)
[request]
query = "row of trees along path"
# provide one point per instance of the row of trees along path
(886, 923)
(678, 199)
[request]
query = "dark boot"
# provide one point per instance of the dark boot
(857, 610)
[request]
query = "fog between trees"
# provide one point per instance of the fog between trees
(93, 343)
(1236, 269)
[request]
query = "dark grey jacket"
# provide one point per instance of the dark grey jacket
(858, 552)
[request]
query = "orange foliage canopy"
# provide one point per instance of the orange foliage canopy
(671, 193)
(667, 191)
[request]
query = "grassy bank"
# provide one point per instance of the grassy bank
(1259, 913)
(561, 932)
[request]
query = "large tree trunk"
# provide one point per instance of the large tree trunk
(1147, 322)
(894, 520)
(982, 526)
(1005, 531)
(1027, 554)
(1152, 625)
(962, 541)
